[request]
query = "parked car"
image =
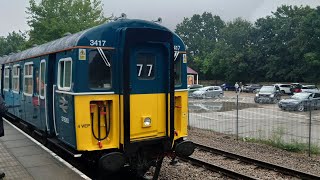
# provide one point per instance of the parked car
(295, 88)
(301, 102)
(251, 88)
(284, 88)
(228, 87)
(208, 91)
(310, 88)
(268, 94)
(192, 88)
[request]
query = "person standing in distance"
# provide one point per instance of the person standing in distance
(236, 86)
(3, 110)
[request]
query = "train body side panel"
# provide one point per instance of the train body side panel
(64, 118)
(83, 122)
(181, 114)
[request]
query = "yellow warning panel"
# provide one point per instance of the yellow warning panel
(82, 54)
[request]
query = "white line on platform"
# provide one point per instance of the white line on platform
(51, 153)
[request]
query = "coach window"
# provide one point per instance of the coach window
(65, 73)
(28, 79)
(145, 66)
(15, 78)
(36, 83)
(99, 69)
(42, 78)
(6, 83)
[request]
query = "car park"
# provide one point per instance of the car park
(208, 91)
(227, 87)
(301, 102)
(268, 94)
(192, 88)
(284, 88)
(251, 88)
(310, 88)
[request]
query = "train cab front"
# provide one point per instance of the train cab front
(154, 115)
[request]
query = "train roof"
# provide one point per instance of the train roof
(83, 38)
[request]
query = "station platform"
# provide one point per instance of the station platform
(21, 157)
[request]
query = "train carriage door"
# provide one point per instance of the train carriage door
(17, 91)
(50, 74)
(7, 91)
(28, 92)
(42, 95)
(147, 86)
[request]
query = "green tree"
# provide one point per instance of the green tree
(200, 33)
(283, 43)
(14, 42)
(51, 19)
(231, 59)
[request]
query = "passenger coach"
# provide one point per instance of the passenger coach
(115, 92)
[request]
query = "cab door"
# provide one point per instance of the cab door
(148, 90)
(148, 81)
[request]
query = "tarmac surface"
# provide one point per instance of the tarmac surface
(24, 158)
(253, 120)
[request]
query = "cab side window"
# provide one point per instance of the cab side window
(100, 70)
(177, 70)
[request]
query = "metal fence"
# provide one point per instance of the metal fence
(238, 114)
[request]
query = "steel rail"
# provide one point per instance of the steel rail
(215, 168)
(263, 164)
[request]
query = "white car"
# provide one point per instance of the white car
(310, 88)
(208, 91)
(284, 88)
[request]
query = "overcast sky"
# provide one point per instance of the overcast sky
(13, 16)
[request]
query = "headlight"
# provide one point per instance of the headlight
(257, 95)
(147, 122)
(295, 102)
(272, 95)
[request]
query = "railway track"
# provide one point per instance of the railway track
(216, 168)
(255, 162)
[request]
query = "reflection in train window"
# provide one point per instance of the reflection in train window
(28, 79)
(15, 78)
(177, 70)
(99, 70)
(6, 78)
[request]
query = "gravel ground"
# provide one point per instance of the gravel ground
(182, 170)
(238, 166)
(298, 161)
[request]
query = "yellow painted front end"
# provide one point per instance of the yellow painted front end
(144, 106)
(153, 106)
(141, 106)
(85, 108)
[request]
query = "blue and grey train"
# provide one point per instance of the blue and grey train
(115, 93)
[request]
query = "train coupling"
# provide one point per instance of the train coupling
(184, 148)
